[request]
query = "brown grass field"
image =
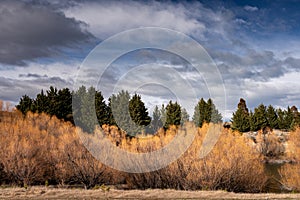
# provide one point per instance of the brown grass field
(41, 192)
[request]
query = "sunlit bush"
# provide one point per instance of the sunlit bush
(291, 172)
(39, 149)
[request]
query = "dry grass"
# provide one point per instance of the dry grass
(232, 165)
(291, 172)
(59, 193)
(39, 149)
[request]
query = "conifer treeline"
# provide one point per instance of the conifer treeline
(131, 115)
(126, 112)
(263, 116)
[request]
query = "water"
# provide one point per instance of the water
(273, 184)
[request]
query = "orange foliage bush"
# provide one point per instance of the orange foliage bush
(290, 173)
(40, 148)
(231, 165)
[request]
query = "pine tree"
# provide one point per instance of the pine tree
(184, 116)
(138, 112)
(281, 119)
(240, 119)
(41, 103)
(52, 102)
(120, 109)
(296, 115)
(215, 116)
(163, 114)
(25, 104)
(102, 110)
(200, 113)
(111, 120)
(259, 118)
(173, 114)
(64, 105)
(156, 121)
(272, 117)
(289, 119)
(206, 112)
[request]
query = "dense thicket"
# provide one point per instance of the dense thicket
(39, 149)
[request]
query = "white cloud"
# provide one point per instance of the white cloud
(106, 19)
(250, 8)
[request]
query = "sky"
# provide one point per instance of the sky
(253, 45)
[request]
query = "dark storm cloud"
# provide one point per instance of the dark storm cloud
(33, 30)
(256, 65)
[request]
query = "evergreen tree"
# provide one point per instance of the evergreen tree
(259, 118)
(240, 119)
(111, 120)
(52, 103)
(272, 117)
(138, 112)
(296, 115)
(215, 116)
(25, 104)
(281, 119)
(206, 112)
(102, 110)
(156, 121)
(163, 114)
(84, 109)
(173, 114)
(200, 113)
(64, 105)
(120, 110)
(41, 103)
(289, 119)
(252, 121)
(184, 116)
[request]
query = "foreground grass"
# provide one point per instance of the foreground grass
(38, 192)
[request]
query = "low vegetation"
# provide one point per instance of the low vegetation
(41, 145)
(39, 149)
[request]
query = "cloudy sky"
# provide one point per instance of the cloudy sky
(255, 46)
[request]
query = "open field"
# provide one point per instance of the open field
(38, 192)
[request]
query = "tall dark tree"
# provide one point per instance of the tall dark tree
(64, 105)
(52, 107)
(259, 118)
(41, 103)
(173, 114)
(200, 113)
(281, 118)
(138, 112)
(272, 117)
(289, 119)
(84, 109)
(215, 116)
(25, 104)
(163, 114)
(240, 119)
(102, 110)
(242, 105)
(120, 109)
(156, 121)
(111, 120)
(206, 112)
(296, 115)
